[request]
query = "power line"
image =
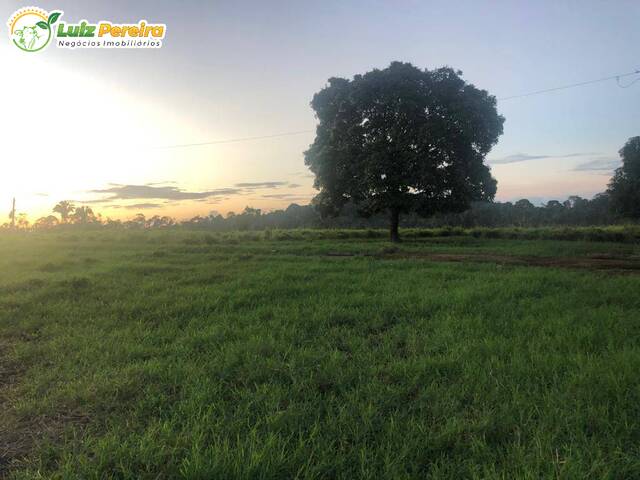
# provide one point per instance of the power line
(564, 87)
(299, 132)
(234, 140)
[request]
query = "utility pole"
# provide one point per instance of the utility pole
(12, 214)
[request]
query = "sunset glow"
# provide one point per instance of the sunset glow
(80, 122)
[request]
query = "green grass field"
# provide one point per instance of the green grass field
(182, 354)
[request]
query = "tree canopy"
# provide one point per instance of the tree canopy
(403, 140)
(65, 208)
(624, 188)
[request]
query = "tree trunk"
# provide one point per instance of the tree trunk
(393, 230)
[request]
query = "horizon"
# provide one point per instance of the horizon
(135, 210)
(100, 127)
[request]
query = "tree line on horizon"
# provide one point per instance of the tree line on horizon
(575, 211)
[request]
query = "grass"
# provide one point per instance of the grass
(614, 233)
(181, 354)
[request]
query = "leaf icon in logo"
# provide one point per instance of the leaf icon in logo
(53, 17)
(42, 25)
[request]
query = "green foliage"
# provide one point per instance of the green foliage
(624, 188)
(403, 140)
(135, 354)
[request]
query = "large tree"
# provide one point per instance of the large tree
(403, 140)
(624, 188)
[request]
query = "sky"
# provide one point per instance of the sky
(97, 126)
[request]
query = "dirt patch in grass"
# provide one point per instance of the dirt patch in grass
(599, 262)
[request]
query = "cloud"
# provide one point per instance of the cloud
(142, 206)
(42, 194)
(169, 182)
(287, 196)
(133, 192)
(604, 164)
(525, 157)
(256, 185)
(172, 194)
(96, 201)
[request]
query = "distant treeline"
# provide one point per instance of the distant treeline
(575, 211)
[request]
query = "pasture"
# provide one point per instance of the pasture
(319, 354)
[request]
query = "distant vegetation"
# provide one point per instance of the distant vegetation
(575, 211)
(624, 189)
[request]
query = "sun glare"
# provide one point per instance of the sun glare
(67, 133)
